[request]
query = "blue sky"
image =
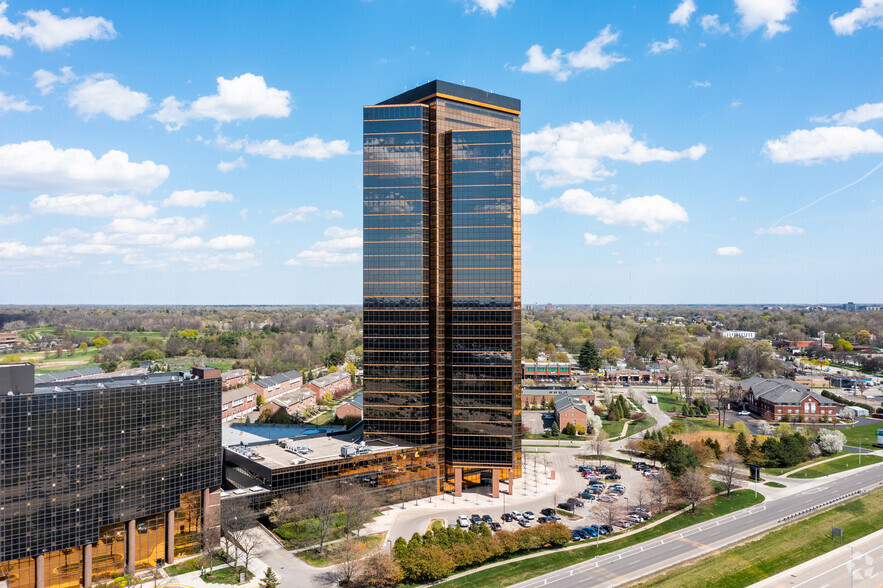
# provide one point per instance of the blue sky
(210, 152)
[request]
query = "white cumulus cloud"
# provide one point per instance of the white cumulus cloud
(655, 213)
(529, 206)
(855, 116)
(11, 103)
(657, 47)
(868, 14)
(311, 147)
(489, 6)
(227, 242)
(342, 249)
(45, 81)
(573, 153)
(244, 97)
(196, 198)
(11, 219)
(729, 251)
(48, 31)
(561, 66)
(769, 14)
(5, 51)
(304, 213)
(598, 240)
(783, 230)
(681, 15)
(226, 166)
(711, 24)
(39, 167)
(117, 205)
(821, 143)
(101, 95)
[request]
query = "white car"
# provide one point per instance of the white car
(463, 521)
(516, 514)
(743, 413)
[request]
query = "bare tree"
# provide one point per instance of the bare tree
(236, 518)
(349, 551)
(323, 504)
(380, 571)
(642, 493)
(693, 486)
(599, 445)
(208, 546)
(661, 489)
(689, 370)
(248, 544)
(357, 504)
(727, 466)
(609, 512)
(721, 394)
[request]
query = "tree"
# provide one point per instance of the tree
(599, 444)
(611, 354)
(555, 429)
(333, 369)
(689, 369)
(842, 345)
(594, 423)
(609, 512)
(680, 459)
(764, 428)
(349, 551)
(237, 518)
(693, 486)
(831, 441)
(270, 580)
(380, 571)
(151, 355)
(848, 413)
(726, 470)
(321, 505)
(588, 356)
(100, 342)
(721, 395)
(661, 489)
(11, 359)
(570, 429)
(863, 337)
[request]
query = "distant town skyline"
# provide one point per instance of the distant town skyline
(675, 152)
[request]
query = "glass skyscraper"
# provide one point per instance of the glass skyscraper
(442, 278)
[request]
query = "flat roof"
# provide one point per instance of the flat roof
(467, 94)
(113, 383)
(323, 449)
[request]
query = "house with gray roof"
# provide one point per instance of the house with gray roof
(570, 409)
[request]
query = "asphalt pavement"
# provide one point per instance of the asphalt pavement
(693, 542)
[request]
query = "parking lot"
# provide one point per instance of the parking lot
(606, 507)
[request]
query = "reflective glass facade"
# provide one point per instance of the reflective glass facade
(442, 275)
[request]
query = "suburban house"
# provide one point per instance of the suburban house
(776, 399)
(570, 410)
(292, 402)
(237, 401)
(351, 407)
(339, 381)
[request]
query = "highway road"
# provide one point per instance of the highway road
(652, 556)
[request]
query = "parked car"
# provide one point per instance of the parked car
(590, 532)
(576, 536)
(495, 526)
(548, 511)
(617, 487)
(639, 465)
(529, 515)
(516, 514)
(607, 528)
(524, 522)
(613, 477)
(643, 509)
(635, 518)
(566, 506)
(600, 530)
(743, 413)
(543, 520)
(607, 498)
(463, 522)
(555, 517)
(624, 524)
(488, 519)
(508, 518)
(587, 495)
(576, 502)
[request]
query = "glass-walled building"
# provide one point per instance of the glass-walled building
(100, 478)
(442, 278)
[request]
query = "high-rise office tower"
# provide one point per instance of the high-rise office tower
(442, 278)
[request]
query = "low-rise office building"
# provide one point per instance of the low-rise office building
(777, 399)
(545, 372)
(570, 410)
(101, 477)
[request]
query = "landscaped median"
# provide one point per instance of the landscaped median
(530, 567)
(779, 550)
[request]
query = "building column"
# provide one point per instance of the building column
(211, 514)
(87, 564)
(130, 545)
(170, 537)
(39, 572)
(458, 481)
(511, 481)
(495, 484)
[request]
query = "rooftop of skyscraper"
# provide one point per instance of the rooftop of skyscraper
(443, 89)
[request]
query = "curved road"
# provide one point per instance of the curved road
(640, 560)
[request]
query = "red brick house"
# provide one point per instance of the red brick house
(339, 381)
(350, 408)
(780, 399)
(570, 410)
(292, 402)
(234, 379)
(236, 401)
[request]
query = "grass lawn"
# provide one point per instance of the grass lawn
(566, 445)
(695, 424)
(133, 335)
(867, 434)
(779, 550)
(612, 428)
(191, 565)
(560, 437)
(567, 514)
(669, 402)
(522, 570)
(783, 471)
(43, 368)
(333, 553)
(323, 418)
(774, 485)
(528, 450)
(838, 465)
(225, 576)
(647, 422)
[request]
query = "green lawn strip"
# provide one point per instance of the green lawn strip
(332, 556)
(535, 451)
(561, 437)
(519, 571)
(867, 434)
(838, 465)
(133, 335)
(612, 428)
(669, 402)
(779, 550)
(60, 368)
(783, 471)
(565, 446)
(192, 565)
(592, 460)
(225, 576)
(774, 485)
(638, 426)
(323, 418)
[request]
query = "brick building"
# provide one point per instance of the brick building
(545, 372)
(234, 379)
(570, 410)
(292, 402)
(780, 399)
(350, 408)
(537, 396)
(331, 383)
